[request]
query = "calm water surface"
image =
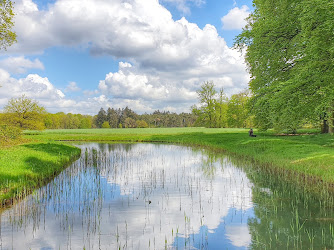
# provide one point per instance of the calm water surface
(152, 196)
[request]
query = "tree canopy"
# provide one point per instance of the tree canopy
(7, 36)
(217, 110)
(25, 113)
(289, 51)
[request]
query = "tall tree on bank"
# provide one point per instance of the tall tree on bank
(25, 113)
(206, 97)
(237, 111)
(7, 37)
(217, 111)
(290, 57)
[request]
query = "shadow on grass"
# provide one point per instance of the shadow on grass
(36, 172)
(50, 148)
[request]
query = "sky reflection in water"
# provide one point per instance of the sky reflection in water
(136, 196)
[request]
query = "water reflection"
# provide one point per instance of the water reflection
(150, 196)
(139, 196)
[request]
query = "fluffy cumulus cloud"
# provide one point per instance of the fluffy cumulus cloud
(54, 100)
(165, 61)
(40, 89)
(33, 86)
(235, 18)
(20, 64)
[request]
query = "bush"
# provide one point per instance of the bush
(8, 132)
(141, 124)
(105, 125)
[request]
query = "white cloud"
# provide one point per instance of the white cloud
(32, 86)
(72, 87)
(126, 84)
(235, 19)
(42, 90)
(165, 61)
(54, 100)
(239, 235)
(20, 64)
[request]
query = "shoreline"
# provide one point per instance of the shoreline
(307, 160)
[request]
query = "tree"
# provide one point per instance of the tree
(289, 51)
(112, 117)
(221, 110)
(141, 124)
(86, 122)
(101, 118)
(7, 37)
(130, 123)
(105, 125)
(237, 112)
(25, 113)
(206, 96)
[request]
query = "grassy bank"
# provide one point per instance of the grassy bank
(25, 167)
(28, 166)
(309, 155)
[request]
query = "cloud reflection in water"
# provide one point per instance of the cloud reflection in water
(135, 196)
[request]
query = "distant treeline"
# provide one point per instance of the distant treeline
(214, 110)
(119, 118)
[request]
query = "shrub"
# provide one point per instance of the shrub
(105, 125)
(8, 132)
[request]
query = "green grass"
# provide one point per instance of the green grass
(307, 157)
(26, 167)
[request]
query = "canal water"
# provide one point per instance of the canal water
(157, 196)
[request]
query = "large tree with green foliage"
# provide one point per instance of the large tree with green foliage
(290, 48)
(7, 36)
(238, 111)
(216, 110)
(206, 97)
(25, 113)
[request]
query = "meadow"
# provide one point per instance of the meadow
(305, 158)
(26, 167)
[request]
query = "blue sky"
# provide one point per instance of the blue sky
(78, 56)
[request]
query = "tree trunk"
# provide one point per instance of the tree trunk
(324, 127)
(331, 120)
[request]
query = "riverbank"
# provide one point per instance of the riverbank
(26, 167)
(309, 155)
(308, 158)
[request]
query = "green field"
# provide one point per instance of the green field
(308, 158)
(26, 167)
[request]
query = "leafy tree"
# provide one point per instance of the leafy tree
(141, 124)
(206, 96)
(86, 122)
(7, 37)
(221, 110)
(290, 52)
(129, 122)
(105, 125)
(237, 112)
(25, 113)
